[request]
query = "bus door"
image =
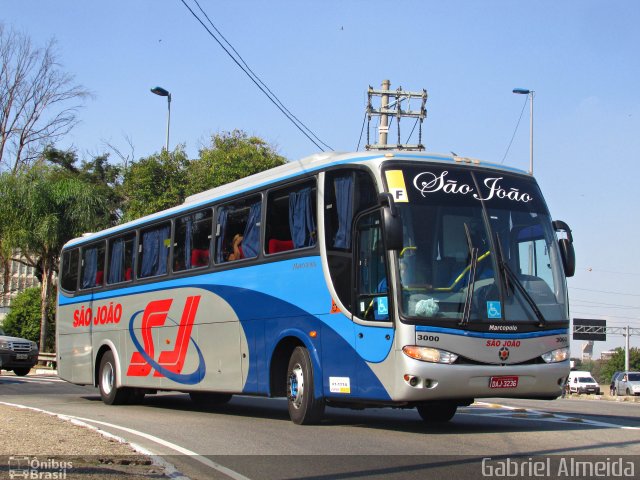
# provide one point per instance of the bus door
(373, 328)
(91, 277)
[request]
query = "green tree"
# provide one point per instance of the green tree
(42, 209)
(616, 362)
(23, 320)
(231, 156)
(103, 176)
(154, 183)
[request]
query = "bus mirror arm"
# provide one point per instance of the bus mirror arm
(566, 248)
(392, 223)
(386, 200)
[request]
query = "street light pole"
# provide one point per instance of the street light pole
(165, 93)
(524, 91)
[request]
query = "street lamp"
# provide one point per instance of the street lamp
(524, 91)
(165, 93)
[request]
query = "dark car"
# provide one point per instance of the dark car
(17, 354)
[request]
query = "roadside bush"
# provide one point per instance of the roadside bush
(23, 320)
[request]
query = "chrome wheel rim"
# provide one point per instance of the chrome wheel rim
(107, 378)
(295, 386)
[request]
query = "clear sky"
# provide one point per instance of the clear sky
(582, 58)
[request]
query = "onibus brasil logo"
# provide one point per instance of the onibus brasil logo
(169, 363)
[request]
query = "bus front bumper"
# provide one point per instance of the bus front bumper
(421, 381)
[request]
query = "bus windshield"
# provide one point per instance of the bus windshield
(479, 246)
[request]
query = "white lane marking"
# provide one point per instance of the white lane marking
(169, 470)
(196, 456)
(34, 379)
(541, 415)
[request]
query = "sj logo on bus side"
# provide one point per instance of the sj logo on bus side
(170, 362)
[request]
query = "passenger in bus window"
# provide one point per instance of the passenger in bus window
(236, 248)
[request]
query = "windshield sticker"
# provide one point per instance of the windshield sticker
(383, 307)
(494, 310)
(397, 187)
(429, 182)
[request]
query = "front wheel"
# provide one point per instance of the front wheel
(21, 372)
(437, 412)
(304, 407)
(107, 381)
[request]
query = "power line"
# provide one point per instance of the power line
(603, 304)
(255, 79)
(604, 291)
(516, 129)
(604, 315)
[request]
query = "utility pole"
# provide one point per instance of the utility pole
(626, 348)
(391, 106)
(384, 118)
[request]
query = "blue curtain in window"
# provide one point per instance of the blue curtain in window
(163, 256)
(344, 209)
(251, 240)
(116, 262)
(187, 242)
(302, 222)
(150, 247)
(222, 227)
(154, 252)
(90, 267)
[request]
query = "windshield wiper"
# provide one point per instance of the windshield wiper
(471, 282)
(515, 281)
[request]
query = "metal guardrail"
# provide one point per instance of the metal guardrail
(49, 359)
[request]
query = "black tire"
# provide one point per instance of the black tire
(628, 392)
(22, 371)
(107, 381)
(437, 412)
(209, 399)
(304, 407)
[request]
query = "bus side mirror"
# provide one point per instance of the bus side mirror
(391, 222)
(567, 251)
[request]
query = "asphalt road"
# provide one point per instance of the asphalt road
(252, 438)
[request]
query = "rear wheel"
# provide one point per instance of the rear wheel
(209, 399)
(437, 412)
(21, 372)
(107, 381)
(304, 408)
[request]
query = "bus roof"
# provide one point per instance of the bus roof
(291, 169)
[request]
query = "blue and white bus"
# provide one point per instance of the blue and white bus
(397, 279)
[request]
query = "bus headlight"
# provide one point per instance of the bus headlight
(427, 354)
(559, 355)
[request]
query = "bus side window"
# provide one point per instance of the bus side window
(69, 271)
(192, 241)
(92, 266)
(121, 257)
(153, 250)
(238, 222)
(291, 218)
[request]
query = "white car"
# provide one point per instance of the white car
(627, 383)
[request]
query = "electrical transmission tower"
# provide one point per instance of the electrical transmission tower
(391, 106)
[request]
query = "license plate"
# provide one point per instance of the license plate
(21, 356)
(503, 382)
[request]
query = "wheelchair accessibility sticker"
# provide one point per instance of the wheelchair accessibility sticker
(494, 309)
(383, 306)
